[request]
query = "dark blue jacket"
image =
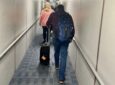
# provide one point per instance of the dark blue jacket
(53, 22)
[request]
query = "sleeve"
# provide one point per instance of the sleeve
(49, 22)
(73, 28)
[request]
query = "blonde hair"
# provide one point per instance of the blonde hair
(47, 5)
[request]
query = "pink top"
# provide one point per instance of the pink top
(44, 17)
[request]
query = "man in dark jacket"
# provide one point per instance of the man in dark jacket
(61, 22)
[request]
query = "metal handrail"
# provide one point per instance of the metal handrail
(16, 40)
(89, 63)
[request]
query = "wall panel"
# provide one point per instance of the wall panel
(20, 15)
(30, 12)
(20, 49)
(6, 23)
(87, 19)
(73, 55)
(106, 65)
(88, 33)
(7, 67)
(83, 73)
(15, 17)
(30, 36)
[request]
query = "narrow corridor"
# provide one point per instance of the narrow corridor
(91, 59)
(30, 72)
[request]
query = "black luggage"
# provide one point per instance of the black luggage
(45, 54)
(45, 51)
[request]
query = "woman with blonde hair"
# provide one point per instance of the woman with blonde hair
(45, 13)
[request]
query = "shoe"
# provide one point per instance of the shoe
(61, 82)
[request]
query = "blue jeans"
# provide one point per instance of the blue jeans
(61, 52)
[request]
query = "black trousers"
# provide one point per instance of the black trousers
(45, 33)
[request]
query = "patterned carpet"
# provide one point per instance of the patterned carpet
(30, 72)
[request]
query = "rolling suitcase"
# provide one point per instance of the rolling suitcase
(45, 52)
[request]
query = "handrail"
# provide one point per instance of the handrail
(89, 63)
(16, 40)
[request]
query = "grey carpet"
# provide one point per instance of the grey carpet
(30, 72)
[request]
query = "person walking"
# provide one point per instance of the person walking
(44, 15)
(63, 29)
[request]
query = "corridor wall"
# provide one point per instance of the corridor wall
(15, 17)
(94, 23)
(87, 18)
(106, 62)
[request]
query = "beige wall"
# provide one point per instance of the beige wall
(106, 66)
(87, 18)
(87, 15)
(15, 17)
(6, 28)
